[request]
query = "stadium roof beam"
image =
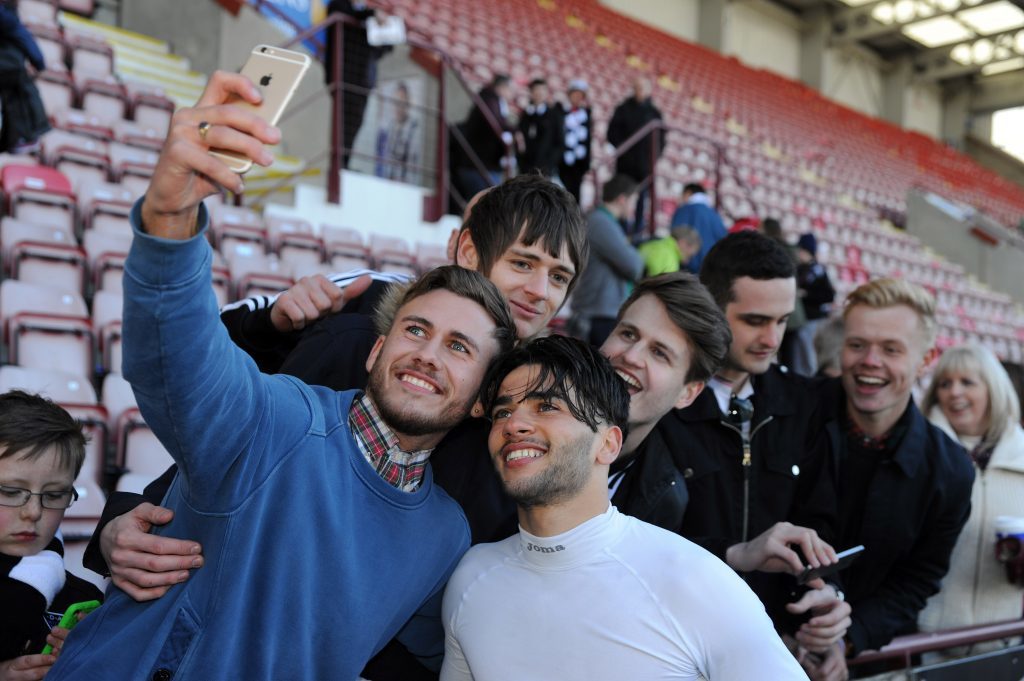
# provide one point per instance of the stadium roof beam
(860, 23)
(970, 56)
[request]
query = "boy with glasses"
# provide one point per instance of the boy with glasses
(41, 452)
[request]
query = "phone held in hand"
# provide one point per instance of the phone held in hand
(276, 73)
(70, 618)
(843, 560)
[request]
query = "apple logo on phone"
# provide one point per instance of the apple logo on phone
(265, 80)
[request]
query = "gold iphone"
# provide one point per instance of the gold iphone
(276, 73)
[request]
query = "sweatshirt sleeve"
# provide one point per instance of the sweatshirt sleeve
(609, 243)
(225, 424)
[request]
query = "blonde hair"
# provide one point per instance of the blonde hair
(1003, 405)
(889, 292)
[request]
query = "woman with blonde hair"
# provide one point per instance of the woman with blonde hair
(972, 400)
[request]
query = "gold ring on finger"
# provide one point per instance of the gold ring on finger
(204, 128)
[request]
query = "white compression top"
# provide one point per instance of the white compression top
(614, 598)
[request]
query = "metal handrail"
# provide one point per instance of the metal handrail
(335, 22)
(905, 647)
(657, 124)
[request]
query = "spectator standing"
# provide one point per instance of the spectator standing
(541, 131)
(21, 107)
(629, 117)
(816, 294)
(358, 68)
(489, 145)
(613, 264)
(828, 346)
(697, 212)
(669, 253)
(972, 400)
(904, 485)
(578, 122)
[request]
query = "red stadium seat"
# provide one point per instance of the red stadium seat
(46, 328)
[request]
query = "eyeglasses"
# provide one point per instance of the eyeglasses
(741, 410)
(15, 497)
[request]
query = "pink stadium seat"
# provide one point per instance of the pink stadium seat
(253, 272)
(56, 89)
(294, 241)
(81, 122)
(107, 253)
(105, 206)
(107, 308)
(37, 12)
(137, 135)
(232, 225)
(90, 55)
(152, 110)
(345, 248)
(51, 44)
(139, 454)
(429, 256)
(48, 256)
(59, 386)
(46, 328)
(38, 194)
(102, 96)
(392, 254)
(83, 7)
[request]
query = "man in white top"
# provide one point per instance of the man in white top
(584, 592)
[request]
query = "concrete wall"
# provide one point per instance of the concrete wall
(763, 36)
(192, 27)
(676, 17)
(922, 109)
(853, 79)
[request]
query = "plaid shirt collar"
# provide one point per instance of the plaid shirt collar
(379, 445)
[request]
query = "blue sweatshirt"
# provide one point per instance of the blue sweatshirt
(313, 562)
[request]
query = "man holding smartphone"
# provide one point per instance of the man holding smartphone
(304, 499)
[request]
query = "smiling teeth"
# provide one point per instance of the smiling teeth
(524, 454)
(870, 380)
(630, 381)
(419, 383)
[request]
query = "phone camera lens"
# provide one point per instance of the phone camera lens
(263, 49)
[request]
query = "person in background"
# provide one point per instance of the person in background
(487, 143)
(671, 252)
(21, 107)
(635, 162)
(578, 122)
(540, 134)
(399, 142)
(972, 400)
(613, 264)
(828, 344)
(358, 67)
(697, 212)
(816, 294)
(41, 452)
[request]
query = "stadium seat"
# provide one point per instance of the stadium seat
(253, 272)
(51, 44)
(392, 254)
(38, 194)
(105, 206)
(37, 12)
(90, 55)
(429, 256)
(46, 328)
(345, 248)
(107, 253)
(231, 226)
(140, 456)
(47, 256)
(152, 110)
(56, 89)
(294, 241)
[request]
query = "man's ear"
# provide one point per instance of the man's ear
(374, 353)
(930, 357)
(690, 392)
(465, 252)
(611, 443)
(453, 243)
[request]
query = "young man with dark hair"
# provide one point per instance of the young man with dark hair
(287, 486)
(697, 212)
(759, 474)
(614, 263)
(904, 485)
(41, 452)
(541, 132)
(584, 592)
